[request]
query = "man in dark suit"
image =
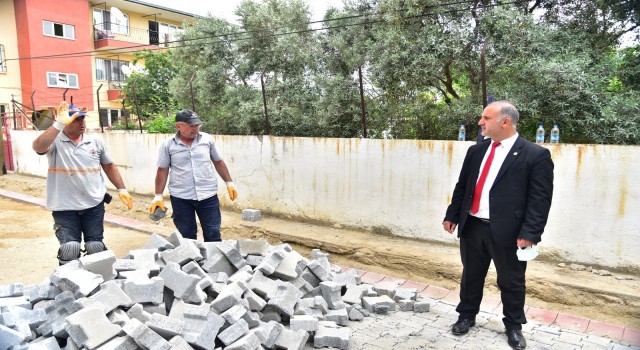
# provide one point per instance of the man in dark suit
(498, 210)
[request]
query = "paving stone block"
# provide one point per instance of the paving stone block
(354, 293)
(232, 253)
(178, 343)
(118, 343)
(271, 262)
(137, 311)
(251, 215)
(42, 291)
(119, 317)
(332, 293)
(230, 295)
(371, 303)
(110, 296)
(167, 327)
(12, 290)
(355, 314)
(329, 335)
(348, 277)
(291, 266)
(263, 286)
(100, 263)
(285, 298)
(182, 254)
(147, 259)
(385, 288)
(234, 314)
(256, 303)
(320, 270)
(90, 327)
(144, 290)
(80, 282)
(421, 306)
(406, 305)
(181, 283)
(158, 242)
(405, 294)
(201, 329)
(234, 332)
(303, 322)
(340, 316)
(9, 337)
(253, 247)
(291, 340)
(254, 260)
(144, 336)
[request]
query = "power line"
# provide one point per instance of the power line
(135, 48)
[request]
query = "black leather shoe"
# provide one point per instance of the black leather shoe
(462, 326)
(516, 339)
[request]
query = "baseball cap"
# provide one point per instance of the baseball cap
(73, 110)
(188, 116)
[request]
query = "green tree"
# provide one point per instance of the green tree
(147, 92)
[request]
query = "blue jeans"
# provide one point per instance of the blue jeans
(71, 225)
(208, 210)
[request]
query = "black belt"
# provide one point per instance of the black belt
(481, 220)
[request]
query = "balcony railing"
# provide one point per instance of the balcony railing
(129, 35)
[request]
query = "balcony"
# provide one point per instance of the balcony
(114, 91)
(120, 37)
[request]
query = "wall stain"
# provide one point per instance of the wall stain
(624, 191)
(449, 153)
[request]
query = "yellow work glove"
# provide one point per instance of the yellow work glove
(231, 188)
(157, 202)
(62, 116)
(125, 197)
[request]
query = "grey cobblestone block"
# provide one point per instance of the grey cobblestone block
(230, 295)
(254, 260)
(251, 215)
(122, 265)
(158, 242)
(100, 263)
(233, 332)
(234, 314)
(303, 322)
(321, 270)
(179, 282)
(346, 278)
(291, 266)
(373, 304)
(421, 306)
(285, 298)
(339, 316)
(405, 305)
(144, 336)
(178, 343)
(90, 327)
(331, 292)
(354, 293)
(405, 294)
(138, 312)
(258, 247)
(256, 303)
(110, 296)
(182, 254)
(167, 327)
(80, 282)
(385, 288)
(12, 290)
(232, 253)
(147, 259)
(200, 328)
(149, 290)
(271, 262)
(329, 335)
(119, 317)
(117, 343)
(9, 337)
(291, 340)
(355, 314)
(265, 287)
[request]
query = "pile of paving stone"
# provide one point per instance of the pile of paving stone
(176, 293)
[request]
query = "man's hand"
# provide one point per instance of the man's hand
(62, 116)
(157, 202)
(231, 188)
(125, 197)
(449, 226)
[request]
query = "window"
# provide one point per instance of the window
(168, 32)
(104, 20)
(64, 80)
(110, 70)
(58, 30)
(3, 67)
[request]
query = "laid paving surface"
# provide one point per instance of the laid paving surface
(546, 329)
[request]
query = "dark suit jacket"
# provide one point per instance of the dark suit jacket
(520, 197)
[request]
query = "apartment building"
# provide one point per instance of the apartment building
(75, 50)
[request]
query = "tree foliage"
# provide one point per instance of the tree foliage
(419, 61)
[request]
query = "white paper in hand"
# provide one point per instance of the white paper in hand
(527, 254)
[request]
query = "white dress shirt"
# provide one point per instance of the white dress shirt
(498, 158)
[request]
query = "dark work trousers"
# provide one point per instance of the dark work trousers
(477, 249)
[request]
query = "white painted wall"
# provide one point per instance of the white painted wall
(400, 186)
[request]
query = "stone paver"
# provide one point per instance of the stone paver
(546, 330)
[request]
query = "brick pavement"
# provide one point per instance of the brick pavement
(546, 330)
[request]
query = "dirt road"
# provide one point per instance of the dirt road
(28, 248)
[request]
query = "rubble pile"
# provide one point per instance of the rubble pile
(177, 293)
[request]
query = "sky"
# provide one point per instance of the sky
(225, 8)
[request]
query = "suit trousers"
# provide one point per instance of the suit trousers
(477, 249)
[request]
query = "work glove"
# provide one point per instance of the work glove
(231, 188)
(157, 202)
(125, 197)
(62, 116)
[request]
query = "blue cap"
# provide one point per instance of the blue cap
(73, 110)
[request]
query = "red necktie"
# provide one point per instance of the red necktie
(475, 204)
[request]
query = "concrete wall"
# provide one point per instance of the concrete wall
(401, 187)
